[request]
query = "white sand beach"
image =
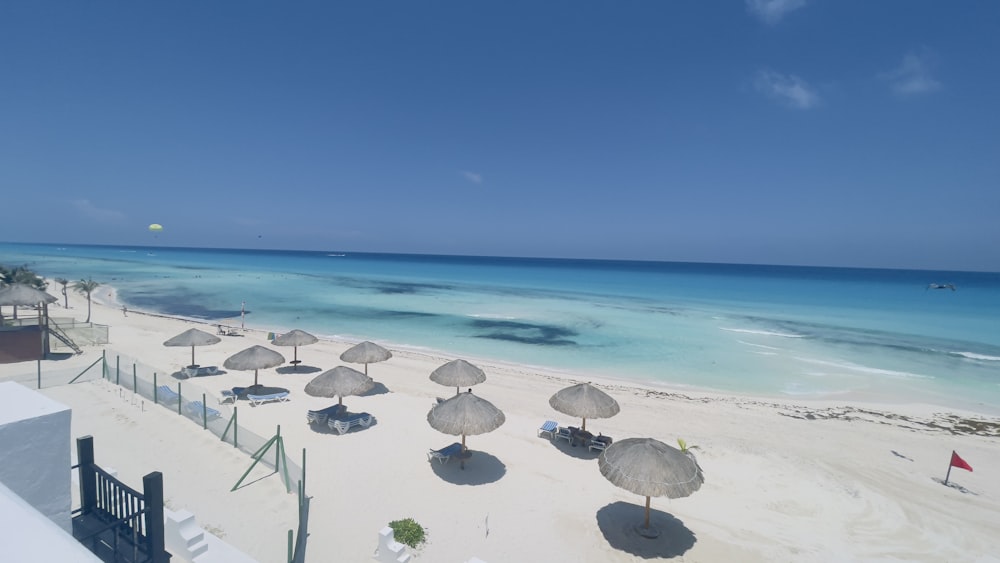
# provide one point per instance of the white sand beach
(785, 480)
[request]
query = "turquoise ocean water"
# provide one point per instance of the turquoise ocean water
(769, 330)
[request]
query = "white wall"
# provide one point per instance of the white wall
(35, 451)
(27, 535)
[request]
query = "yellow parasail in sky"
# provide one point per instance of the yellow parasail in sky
(156, 227)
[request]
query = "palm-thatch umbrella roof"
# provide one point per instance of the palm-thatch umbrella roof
(295, 338)
(465, 414)
(254, 358)
(650, 468)
(586, 401)
(365, 353)
(338, 382)
(23, 295)
(193, 337)
(459, 373)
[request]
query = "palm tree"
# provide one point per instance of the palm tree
(63, 282)
(86, 287)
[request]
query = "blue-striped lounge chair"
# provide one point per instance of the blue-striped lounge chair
(197, 409)
(445, 453)
(549, 428)
(166, 395)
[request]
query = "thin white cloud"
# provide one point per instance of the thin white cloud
(473, 177)
(787, 89)
(95, 213)
(772, 11)
(913, 75)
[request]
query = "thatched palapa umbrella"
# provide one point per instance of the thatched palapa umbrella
(295, 338)
(366, 353)
(254, 358)
(586, 401)
(465, 414)
(338, 382)
(459, 373)
(650, 468)
(23, 295)
(193, 337)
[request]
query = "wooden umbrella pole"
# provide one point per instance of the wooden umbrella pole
(584, 425)
(647, 513)
(192, 354)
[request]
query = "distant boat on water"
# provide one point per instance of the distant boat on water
(950, 286)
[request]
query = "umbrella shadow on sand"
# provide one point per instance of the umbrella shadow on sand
(292, 370)
(184, 377)
(377, 389)
(579, 452)
(481, 468)
(618, 522)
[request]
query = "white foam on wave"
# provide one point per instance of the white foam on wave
(865, 369)
(766, 353)
(488, 316)
(765, 347)
(974, 356)
(763, 332)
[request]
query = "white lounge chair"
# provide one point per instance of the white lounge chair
(230, 395)
(257, 400)
(200, 371)
(564, 433)
(599, 443)
(344, 423)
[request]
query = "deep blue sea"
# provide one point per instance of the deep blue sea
(769, 330)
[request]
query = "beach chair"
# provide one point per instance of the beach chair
(257, 400)
(322, 415)
(230, 395)
(444, 454)
(166, 395)
(197, 409)
(344, 423)
(599, 443)
(200, 371)
(549, 428)
(564, 433)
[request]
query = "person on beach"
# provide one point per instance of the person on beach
(124, 311)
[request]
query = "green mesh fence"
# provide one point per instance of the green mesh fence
(134, 376)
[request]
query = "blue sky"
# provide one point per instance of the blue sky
(816, 132)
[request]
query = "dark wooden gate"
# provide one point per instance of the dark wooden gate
(116, 522)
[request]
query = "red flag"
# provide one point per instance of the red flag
(959, 462)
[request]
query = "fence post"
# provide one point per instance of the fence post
(290, 542)
(118, 369)
(152, 493)
(179, 398)
(39, 374)
(104, 364)
(88, 479)
(134, 378)
(155, 388)
(277, 451)
(204, 412)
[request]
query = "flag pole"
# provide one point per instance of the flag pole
(948, 474)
